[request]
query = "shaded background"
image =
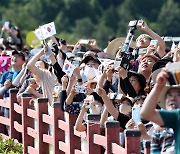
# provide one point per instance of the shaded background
(99, 19)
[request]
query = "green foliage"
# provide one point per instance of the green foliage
(8, 146)
(169, 19)
(76, 19)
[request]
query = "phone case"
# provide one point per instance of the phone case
(171, 79)
(177, 74)
(136, 114)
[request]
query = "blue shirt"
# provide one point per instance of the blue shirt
(9, 75)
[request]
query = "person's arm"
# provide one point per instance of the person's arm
(162, 46)
(176, 56)
(142, 129)
(102, 79)
(34, 92)
(16, 82)
(148, 111)
(70, 84)
(109, 105)
(31, 64)
(63, 93)
(104, 117)
(71, 95)
(79, 125)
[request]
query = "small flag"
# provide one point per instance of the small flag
(45, 31)
(68, 68)
(48, 30)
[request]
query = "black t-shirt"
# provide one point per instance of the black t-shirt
(123, 119)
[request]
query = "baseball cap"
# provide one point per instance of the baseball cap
(19, 53)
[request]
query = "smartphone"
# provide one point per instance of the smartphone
(75, 62)
(119, 96)
(6, 24)
(154, 42)
(171, 78)
(136, 114)
(112, 95)
(84, 41)
(80, 89)
(142, 51)
(117, 63)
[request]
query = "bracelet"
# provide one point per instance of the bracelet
(79, 80)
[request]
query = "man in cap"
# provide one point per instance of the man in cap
(17, 60)
(167, 96)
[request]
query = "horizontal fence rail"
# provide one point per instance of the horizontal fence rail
(44, 129)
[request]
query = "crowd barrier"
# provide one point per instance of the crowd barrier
(64, 138)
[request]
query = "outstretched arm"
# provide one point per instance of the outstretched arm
(31, 64)
(79, 125)
(162, 46)
(148, 110)
(109, 105)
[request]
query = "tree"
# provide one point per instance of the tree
(169, 19)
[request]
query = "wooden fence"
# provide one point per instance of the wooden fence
(32, 127)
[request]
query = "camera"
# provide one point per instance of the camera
(127, 56)
(80, 89)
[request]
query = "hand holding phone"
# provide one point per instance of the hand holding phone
(154, 43)
(80, 89)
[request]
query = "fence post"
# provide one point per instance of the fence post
(132, 141)
(13, 115)
(93, 128)
(147, 147)
(26, 122)
(112, 134)
(58, 134)
(74, 142)
(42, 127)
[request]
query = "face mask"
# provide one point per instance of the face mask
(125, 109)
(90, 72)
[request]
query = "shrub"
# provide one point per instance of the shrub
(9, 146)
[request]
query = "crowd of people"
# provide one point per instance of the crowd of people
(85, 79)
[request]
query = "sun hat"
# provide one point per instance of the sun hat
(162, 96)
(114, 45)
